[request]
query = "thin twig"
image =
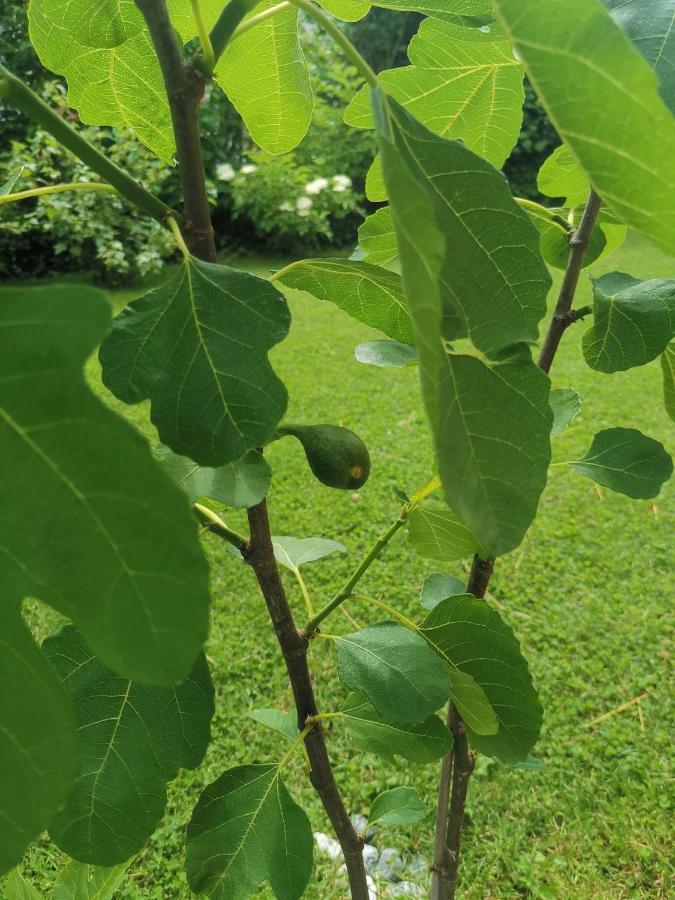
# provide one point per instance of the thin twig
(58, 189)
(618, 709)
(563, 316)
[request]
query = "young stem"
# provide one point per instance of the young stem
(57, 189)
(227, 24)
(311, 626)
(185, 89)
(294, 645)
(252, 21)
(215, 524)
(19, 95)
(204, 37)
(563, 316)
(340, 38)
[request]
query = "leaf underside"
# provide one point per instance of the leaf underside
(463, 83)
(592, 66)
(366, 292)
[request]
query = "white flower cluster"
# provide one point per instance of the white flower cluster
(226, 172)
(303, 205)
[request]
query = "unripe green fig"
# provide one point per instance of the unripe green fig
(337, 456)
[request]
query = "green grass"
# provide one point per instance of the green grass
(588, 594)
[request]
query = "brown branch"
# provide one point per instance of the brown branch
(294, 645)
(563, 315)
(456, 770)
(185, 88)
(458, 765)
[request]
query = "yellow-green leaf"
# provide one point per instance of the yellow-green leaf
(602, 97)
(265, 75)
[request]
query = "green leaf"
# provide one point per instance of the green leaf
(439, 587)
(650, 26)
(182, 16)
(626, 461)
(78, 881)
(555, 234)
(133, 740)
(368, 293)
(531, 764)
(492, 293)
(403, 679)
(293, 552)
(463, 83)
(442, 8)
(240, 484)
(197, 347)
(566, 406)
(385, 354)
(437, 532)
(285, 723)
(377, 237)
(245, 830)
(472, 702)
(347, 10)
(38, 740)
(473, 637)
(632, 322)
(494, 445)
(668, 368)
(398, 806)
(602, 98)
(554, 242)
(276, 104)
(561, 176)
(8, 186)
(17, 888)
(471, 265)
(99, 23)
(376, 191)
(107, 57)
(421, 742)
(125, 563)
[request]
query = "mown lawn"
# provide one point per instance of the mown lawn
(588, 594)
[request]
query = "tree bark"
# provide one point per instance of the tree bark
(563, 315)
(185, 87)
(456, 770)
(294, 645)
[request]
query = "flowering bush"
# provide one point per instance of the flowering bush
(288, 204)
(83, 232)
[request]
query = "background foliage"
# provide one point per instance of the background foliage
(259, 212)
